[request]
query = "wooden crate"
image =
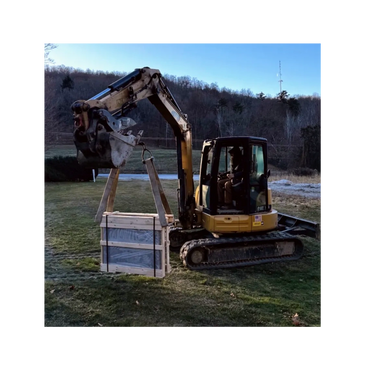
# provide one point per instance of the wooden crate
(135, 243)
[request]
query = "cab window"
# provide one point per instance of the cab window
(258, 182)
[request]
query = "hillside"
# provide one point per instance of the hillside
(291, 124)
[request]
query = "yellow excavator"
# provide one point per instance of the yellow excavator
(211, 232)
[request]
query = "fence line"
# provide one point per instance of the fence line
(67, 138)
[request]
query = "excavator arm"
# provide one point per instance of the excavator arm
(101, 121)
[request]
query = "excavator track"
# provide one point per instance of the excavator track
(215, 253)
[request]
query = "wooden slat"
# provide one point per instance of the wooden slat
(166, 245)
(117, 217)
(142, 246)
(169, 217)
(148, 227)
(160, 273)
(134, 222)
(112, 219)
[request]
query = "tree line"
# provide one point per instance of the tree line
(291, 124)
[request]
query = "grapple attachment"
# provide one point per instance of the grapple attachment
(100, 138)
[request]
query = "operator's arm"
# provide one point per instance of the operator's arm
(235, 175)
(237, 172)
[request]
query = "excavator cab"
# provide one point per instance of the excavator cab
(236, 189)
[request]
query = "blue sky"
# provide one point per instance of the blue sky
(234, 66)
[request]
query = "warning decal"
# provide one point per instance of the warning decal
(258, 221)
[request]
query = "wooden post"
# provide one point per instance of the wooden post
(159, 196)
(107, 200)
(111, 198)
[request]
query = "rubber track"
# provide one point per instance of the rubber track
(258, 240)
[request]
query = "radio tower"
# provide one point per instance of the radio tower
(280, 81)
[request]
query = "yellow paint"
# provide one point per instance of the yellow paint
(240, 223)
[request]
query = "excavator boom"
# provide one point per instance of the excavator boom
(100, 124)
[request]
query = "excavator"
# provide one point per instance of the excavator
(209, 234)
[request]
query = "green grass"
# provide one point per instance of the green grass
(263, 295)
(60, 150)
(88, 264)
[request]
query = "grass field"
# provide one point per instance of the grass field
(77, 294)
(164, 159)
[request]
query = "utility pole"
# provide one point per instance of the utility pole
(280, 81)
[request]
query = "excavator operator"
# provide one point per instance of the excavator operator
(230, 178)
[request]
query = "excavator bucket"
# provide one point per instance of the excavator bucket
(108, 150)
(100, 138)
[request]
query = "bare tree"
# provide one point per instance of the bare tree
(51, 106)
(51, 122)
(48, 47)
(220, 109)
